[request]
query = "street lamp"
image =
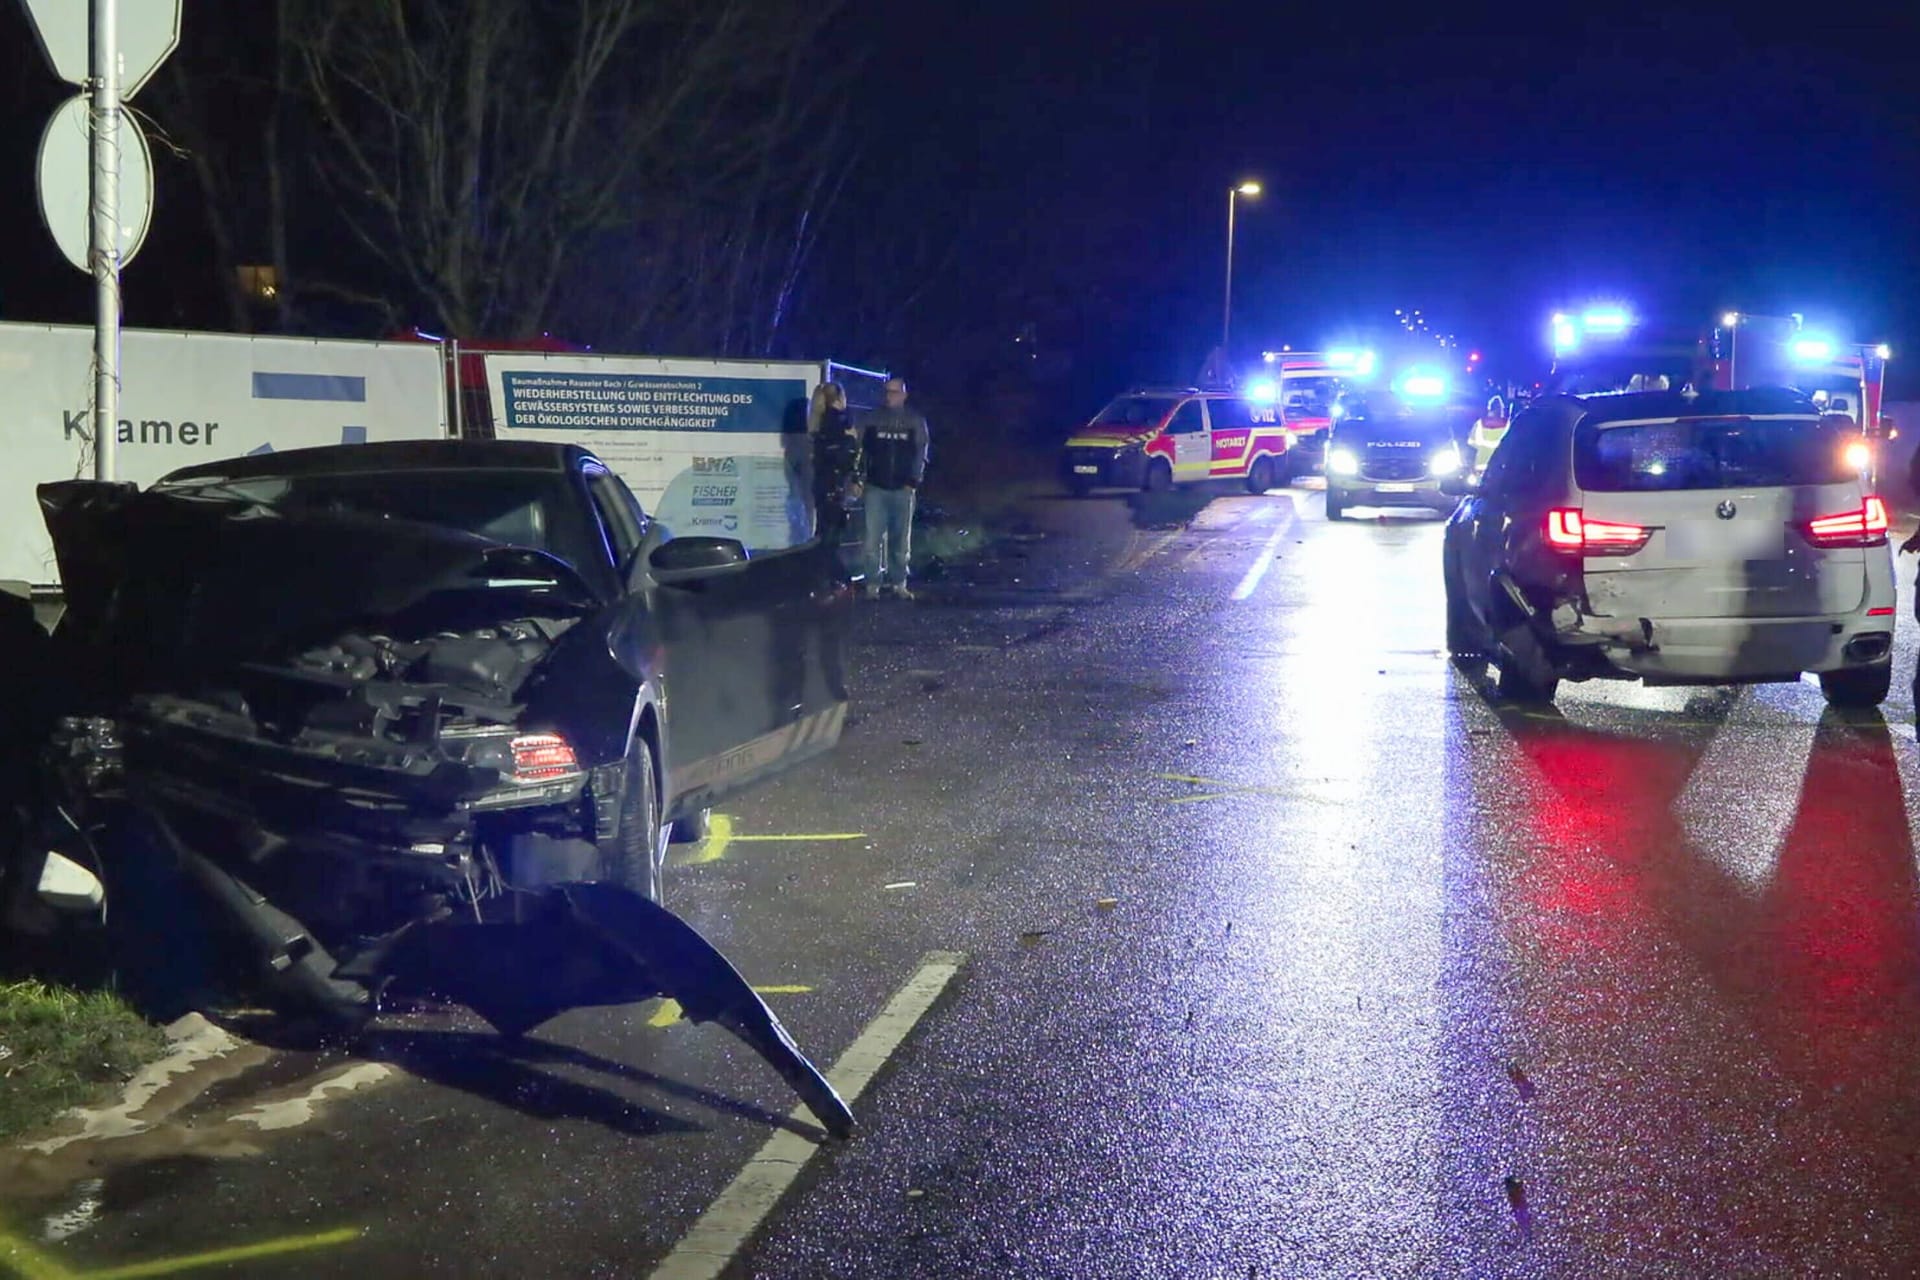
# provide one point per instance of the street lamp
(1226, 319)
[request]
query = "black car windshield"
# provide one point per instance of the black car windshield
(1709, 453)
(521, 508)
(1134, 411)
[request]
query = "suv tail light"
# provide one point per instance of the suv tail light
(1865, 527)
(541, 757)
(1568, 529)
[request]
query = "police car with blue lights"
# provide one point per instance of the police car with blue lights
(1394, 447)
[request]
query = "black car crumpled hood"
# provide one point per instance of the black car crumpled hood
(172, 586)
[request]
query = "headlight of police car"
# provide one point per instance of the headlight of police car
(1342, 463)
(1446, 461)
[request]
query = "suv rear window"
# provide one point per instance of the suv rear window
(1709, 453)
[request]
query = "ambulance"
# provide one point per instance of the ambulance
(1156, 438)
(1307, 387)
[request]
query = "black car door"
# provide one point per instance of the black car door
(749, 657)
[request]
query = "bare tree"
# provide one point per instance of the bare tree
(222, 105)
(491, 153)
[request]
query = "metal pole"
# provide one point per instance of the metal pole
(1226, 317)
(459, 394)
(105, 247)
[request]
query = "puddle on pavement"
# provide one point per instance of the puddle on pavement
(216, 1098)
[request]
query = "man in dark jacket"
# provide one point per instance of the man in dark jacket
(895, 460)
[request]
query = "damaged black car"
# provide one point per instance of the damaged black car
(424, 716)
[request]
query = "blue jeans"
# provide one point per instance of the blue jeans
(889, 516)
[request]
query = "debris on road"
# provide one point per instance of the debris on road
(1106, 904)
(1517, 1201)
(1521, 1084)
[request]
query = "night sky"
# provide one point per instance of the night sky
(1071, 163)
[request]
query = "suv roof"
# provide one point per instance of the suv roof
(1633, 406)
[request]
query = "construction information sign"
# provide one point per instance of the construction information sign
(710, 447)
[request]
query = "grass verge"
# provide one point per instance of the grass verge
(60, 1048)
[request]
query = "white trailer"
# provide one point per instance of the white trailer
(191, 397)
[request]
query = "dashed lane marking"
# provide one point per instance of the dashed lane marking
(721, 836)
(1263, 562)
(732, 1219)
(670, 1012)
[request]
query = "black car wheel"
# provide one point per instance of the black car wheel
(1336, 505)
(1260, 479)
(1159, 476)
(631, 857)
(1858, 686)
(1079, 486)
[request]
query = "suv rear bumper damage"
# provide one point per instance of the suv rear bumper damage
(1711, 650)
(1581, 645)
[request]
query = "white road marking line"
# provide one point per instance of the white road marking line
(733, 1218)
(1260, 566)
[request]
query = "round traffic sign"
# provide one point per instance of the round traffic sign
(66, 186)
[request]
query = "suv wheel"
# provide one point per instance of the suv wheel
(1526, 676)
(1466, 638)
(1858, 686)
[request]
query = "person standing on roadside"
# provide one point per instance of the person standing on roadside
(895, 444)
(836, 463)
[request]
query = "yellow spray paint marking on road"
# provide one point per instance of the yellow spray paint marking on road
(669, 1011)
(721, 836)
(22, 1259)
(1222, 789)
(19, 1258)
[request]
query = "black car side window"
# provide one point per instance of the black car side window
(619, 514)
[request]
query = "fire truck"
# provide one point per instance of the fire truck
(1842, 377)
(1608, 348)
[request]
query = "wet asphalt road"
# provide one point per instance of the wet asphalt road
(1288, 951)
